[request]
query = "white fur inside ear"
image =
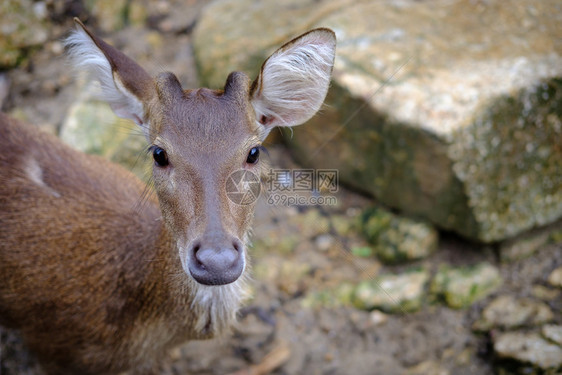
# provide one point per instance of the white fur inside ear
(294, 80)
(85, 55)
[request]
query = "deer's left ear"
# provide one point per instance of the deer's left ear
(294, 80)
(125, 85)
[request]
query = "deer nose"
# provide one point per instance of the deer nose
(216, 261)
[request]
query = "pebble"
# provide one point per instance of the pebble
(56, 47)
(378, 317)
(521, 248)
(392, 293)
(324, 241)
(553, 333)
(555, 278)
(528, 348)
(510, 312)
(544, 293)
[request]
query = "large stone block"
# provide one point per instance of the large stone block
(452, 112)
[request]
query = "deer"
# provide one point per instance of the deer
(97, 285)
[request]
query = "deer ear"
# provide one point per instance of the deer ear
(294, 80)
(125, 85)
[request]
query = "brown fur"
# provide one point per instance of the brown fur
(97, 282)
(91, 276)
(77, 262)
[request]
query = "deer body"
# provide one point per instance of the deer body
(59, 280)
(101, 280)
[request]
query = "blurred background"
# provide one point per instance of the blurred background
(442, 250)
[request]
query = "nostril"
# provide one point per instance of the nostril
(237, 245)
(196, 248)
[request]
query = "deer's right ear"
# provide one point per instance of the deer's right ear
(294, 80)
(125, 85)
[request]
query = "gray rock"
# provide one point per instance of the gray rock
(528, 348)
(23, 26)
(509, 312)
(553, 333)
(398, 239)
(392, 293)
(466, 133)
(460, 287)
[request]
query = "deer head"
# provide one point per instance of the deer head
(198, 138)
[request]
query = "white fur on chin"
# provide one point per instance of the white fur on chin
(217, 306)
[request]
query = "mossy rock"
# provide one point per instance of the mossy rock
(460, 287)
(392, 293)
(398, 239)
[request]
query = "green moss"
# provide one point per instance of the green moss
(397, 239)
(514, 142)
(362, 251)
(460, 287)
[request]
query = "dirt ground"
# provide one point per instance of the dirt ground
(279, 326)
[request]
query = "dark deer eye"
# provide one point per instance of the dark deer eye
(160, 156)
(253, 155)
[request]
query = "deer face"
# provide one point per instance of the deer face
(201, 138)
